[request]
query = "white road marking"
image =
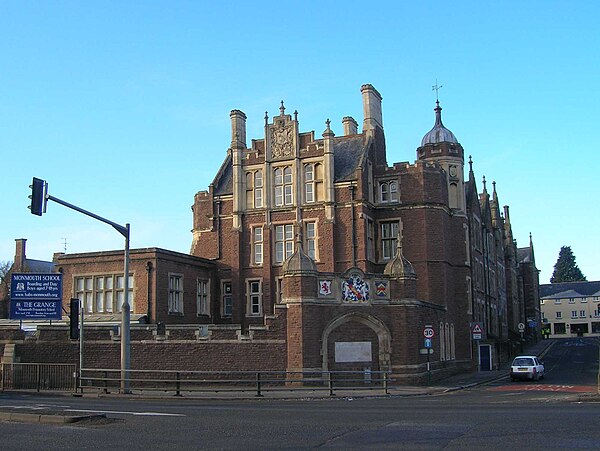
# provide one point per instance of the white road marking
(147, 414)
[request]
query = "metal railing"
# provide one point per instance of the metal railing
(257, 382)
(38, 376)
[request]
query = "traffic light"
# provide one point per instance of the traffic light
(74, 320)
(39, 190)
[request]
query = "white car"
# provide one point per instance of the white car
(526, 367)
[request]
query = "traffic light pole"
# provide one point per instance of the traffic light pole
(125, 308)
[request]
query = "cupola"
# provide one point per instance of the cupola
(438, 133)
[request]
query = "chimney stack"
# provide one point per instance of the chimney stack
(238, 129)
(350, 126)
(371, 108)
(19, 263)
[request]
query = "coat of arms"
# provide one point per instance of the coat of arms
(355, 289)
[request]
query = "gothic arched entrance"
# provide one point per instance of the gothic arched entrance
(356, 342)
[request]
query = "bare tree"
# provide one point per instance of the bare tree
(5, 267)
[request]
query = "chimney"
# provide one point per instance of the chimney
(350, 126)
(20, 254)
(371, 108)
(238, 129)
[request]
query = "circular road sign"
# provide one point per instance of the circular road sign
(428, 332)
(521, 327)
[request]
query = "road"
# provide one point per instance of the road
(503, 415)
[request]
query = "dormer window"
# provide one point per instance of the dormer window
(388, 191)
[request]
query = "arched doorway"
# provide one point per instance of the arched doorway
(356, 341)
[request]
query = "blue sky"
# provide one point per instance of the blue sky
(123, 107)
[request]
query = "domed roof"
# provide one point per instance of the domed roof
(438, 133)
(299, 263)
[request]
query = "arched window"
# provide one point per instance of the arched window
(388, 191)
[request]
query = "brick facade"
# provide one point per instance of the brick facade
(310, 246)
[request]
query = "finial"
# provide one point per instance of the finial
(266, 117)
(299, 235)
(281, 109)
(436, 88)
(296, 115)
(470, 164)
(494, 184)
(328, 133)
(484, 184)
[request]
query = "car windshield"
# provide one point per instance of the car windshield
(523, 361)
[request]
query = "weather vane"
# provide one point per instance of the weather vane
(436, 88)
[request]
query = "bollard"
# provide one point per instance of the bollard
(258, 393)
(330, 381)
(385, 383)
(178, 385)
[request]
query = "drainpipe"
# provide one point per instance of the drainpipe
(149, 294)
(352, 188)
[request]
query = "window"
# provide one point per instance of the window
(542, 301)
(227, 301)
(254, 297)
(284, 242)
(175, 293)
(557, 301)
(389, 237)
(283, 186)
(203, 298)
(573, 313)
(558, 315)
(560, 329)
(254, 189)
(370, 240)
(258, 188)
(257, 245)
(101, 294)
(571, 301)
(388, 191)
(310, 240)
(582, 314)
(583, 300)
(442, 343)
(309, 183)
(279, 289)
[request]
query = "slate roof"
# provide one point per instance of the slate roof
(524, 255)
(39, 266)
(570, 290)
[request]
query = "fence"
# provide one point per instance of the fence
(257, 382)
(38, 376)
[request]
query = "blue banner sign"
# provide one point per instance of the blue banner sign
(36, 296)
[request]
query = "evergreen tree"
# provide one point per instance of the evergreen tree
(565, 269)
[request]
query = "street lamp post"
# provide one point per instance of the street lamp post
(39, 198)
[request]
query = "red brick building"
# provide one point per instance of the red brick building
(318, 248)
(358, 255)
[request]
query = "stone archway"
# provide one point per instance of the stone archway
(374, 324)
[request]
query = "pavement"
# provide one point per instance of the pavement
(453, 383)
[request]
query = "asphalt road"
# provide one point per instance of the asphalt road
(504, 415)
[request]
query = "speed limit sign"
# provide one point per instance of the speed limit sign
(428, 332)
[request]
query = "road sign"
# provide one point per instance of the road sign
(521, 327)
(426, 351)
(428, 332)
(428, 343)
(36, 296)
(477, 331)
